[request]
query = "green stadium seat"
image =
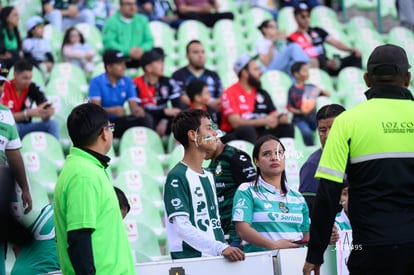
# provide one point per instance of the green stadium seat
(142, 136)
(277, 84)
(40, 170)
(92, 36)
(143, 183)
(286, 20)
(55, 38)
(242, 145)
(146, 212)
(143, 241)
(164, 37)
(189, 30)
(45, 144)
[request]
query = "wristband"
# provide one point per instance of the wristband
(25, 115)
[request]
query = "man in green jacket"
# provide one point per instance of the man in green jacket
(128, 32)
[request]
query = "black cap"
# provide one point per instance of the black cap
(388, 59)
(299, 8)
(113, 56)
(152, 55)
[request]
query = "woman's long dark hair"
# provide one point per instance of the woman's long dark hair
(4, 13)
(66, 37)
(257, 145)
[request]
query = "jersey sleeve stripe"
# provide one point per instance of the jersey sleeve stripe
(382, 156)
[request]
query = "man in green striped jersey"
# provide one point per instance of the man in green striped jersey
(193, 225)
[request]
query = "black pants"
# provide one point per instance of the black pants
(208, 19)
(10, 229)
(124, 123)
(348, 61)
(382, 260)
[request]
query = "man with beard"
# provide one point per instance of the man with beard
(195, 69)
(248, 110)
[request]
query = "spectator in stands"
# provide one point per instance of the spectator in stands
(91, 237)
(268, 215)
(20, 94)
(405, 10)
(302, 102)
(312, 42)
(196, 57)
(248, 110)
(159, 10)
(64, 14)
(102, 10)
(112, 89)
(155, 91)
(308, 185)
(11, 171)
(268, 5)
(199, 95)
(40, 256)
(294, 3)
(36, 48)
(273, 52)
(128, 32)
(76, 51)
(230, 167)
(10, 43)
(205, 11)
(193, 219)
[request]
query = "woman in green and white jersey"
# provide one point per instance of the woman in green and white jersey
(268, 215)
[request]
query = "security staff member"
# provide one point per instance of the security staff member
(372, 146)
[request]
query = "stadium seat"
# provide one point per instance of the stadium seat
(277, 84)
(71, 73)
(142, 158)
(143, 241)
(45, 144)
(142, 136)
(321, 79)
(228, 41)
(164, 37)
(40, 170)
(55, 38)
(143, 183)
(26, 9)
(242, 145)
(146, 212)
(92, 36)
(189, 30)
(292, 156)
(255, 16)
(73, 93)
(286, 20)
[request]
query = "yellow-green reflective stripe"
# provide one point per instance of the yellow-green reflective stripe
(382, 156)
(331, 172)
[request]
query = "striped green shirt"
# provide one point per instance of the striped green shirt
(272, 214)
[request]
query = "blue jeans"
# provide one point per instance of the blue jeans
(286, 57)
(307, 128)
(49, 126)
(64, 22)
